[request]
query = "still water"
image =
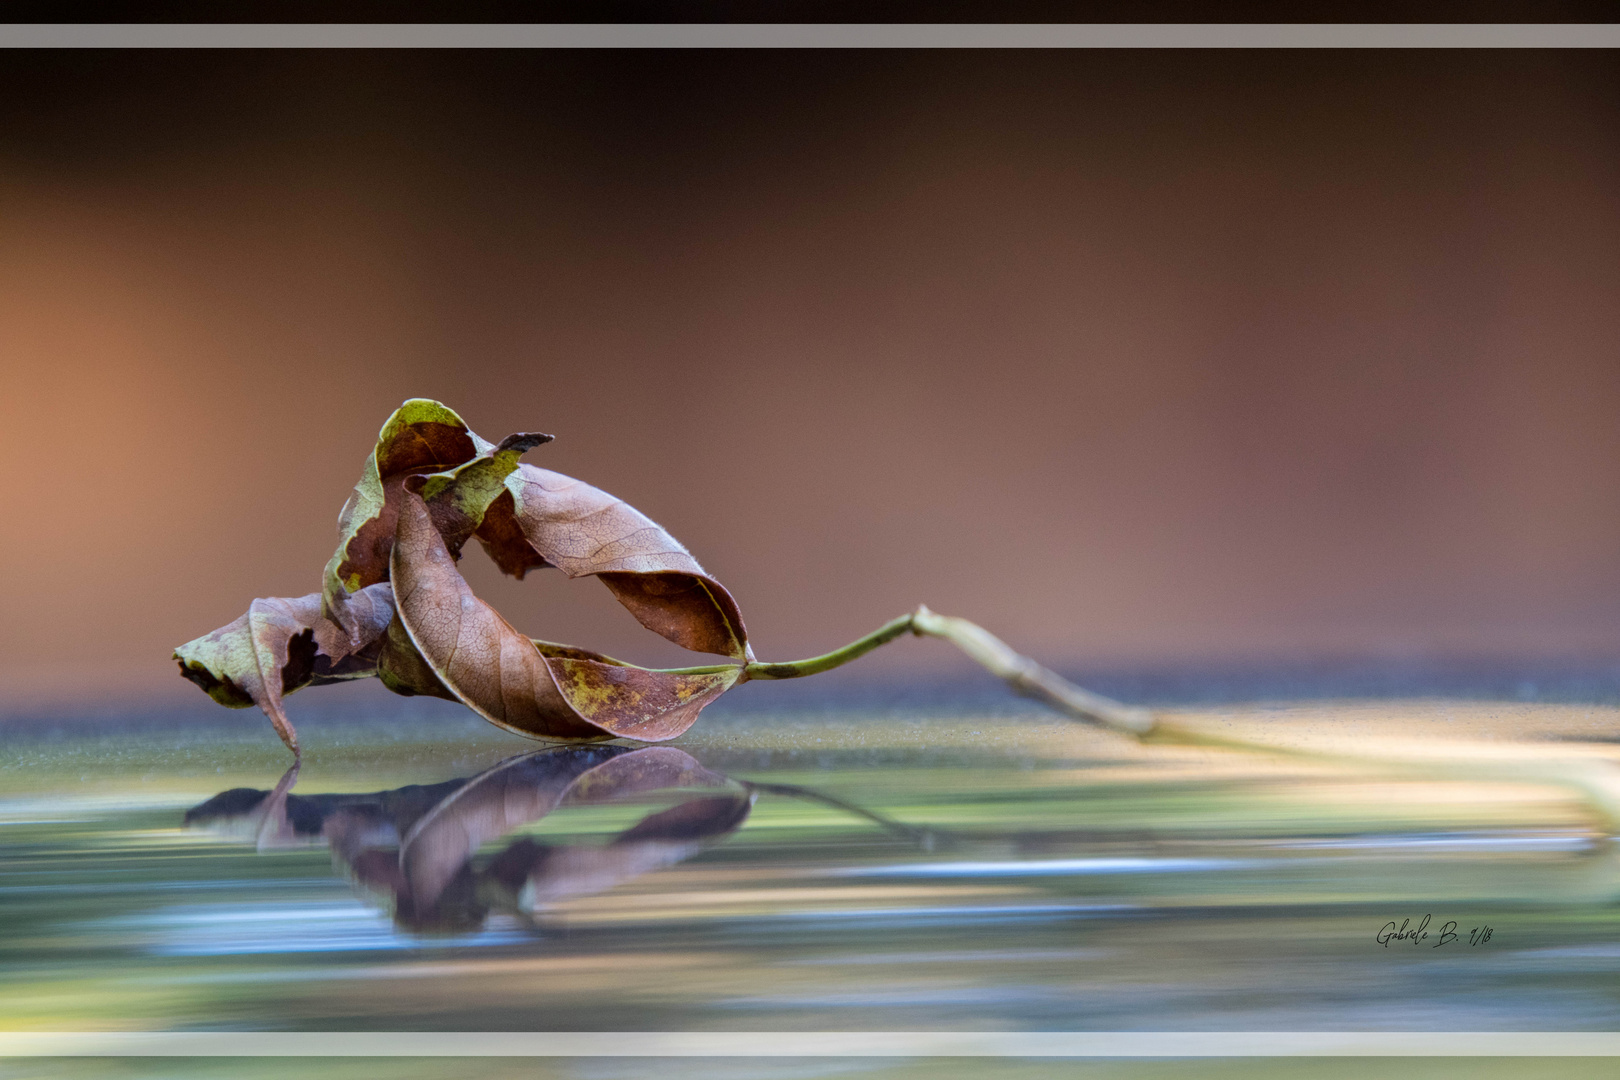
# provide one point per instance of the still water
(835, 872)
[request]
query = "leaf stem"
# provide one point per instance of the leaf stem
(1024, 675)
(797, 669)
(1030, 679)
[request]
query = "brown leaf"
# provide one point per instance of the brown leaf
(525, 518)
(458, 499)
(283, 644)
(421, 436)
(504, 677)
(546, 518)
(402, 668)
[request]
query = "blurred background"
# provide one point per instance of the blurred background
(1142, 360)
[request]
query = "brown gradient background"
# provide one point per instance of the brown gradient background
(1133, 357)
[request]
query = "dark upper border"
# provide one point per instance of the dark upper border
(804, 11)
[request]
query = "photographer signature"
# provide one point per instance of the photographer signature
(1407, 934)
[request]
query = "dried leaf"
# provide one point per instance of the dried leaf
(283, 644)
(457, 499)
(555, 520)
(422, 436)
(402, 668)
(426, 456)
(504, 677)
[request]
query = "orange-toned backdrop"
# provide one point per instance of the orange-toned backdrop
(1128, 356)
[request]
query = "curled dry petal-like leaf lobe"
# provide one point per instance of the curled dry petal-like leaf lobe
(283, 644)
(557, 520)
(458, 499)
(402, 668)
(422, 436)
(504, 677)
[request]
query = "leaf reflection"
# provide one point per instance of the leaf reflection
(414, 850)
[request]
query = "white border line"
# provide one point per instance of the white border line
(810, 35)
(1156, 1044)
(807, 1044)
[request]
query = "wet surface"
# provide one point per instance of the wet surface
(843, 872)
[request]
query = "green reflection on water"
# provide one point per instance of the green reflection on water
(1033, 876)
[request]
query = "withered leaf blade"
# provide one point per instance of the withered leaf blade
(476, 654)
(457, 499)
(635, 703)
(504, 677)
(552, 650)
(402, 668)
(552, 519)
(421, 437)
(282, 644)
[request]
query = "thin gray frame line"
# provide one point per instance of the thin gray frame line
(812, 1044)
(811, 35)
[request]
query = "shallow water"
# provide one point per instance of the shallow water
(835, 872)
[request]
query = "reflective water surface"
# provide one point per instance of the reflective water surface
(839, 872)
